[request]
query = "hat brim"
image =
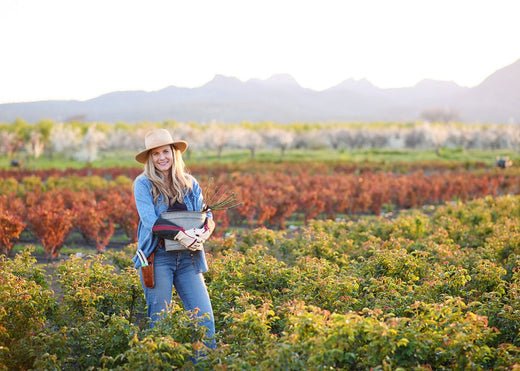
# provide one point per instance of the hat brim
(180, 145)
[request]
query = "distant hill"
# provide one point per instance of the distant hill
(280, 98)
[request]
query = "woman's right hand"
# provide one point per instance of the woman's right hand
(189, 239)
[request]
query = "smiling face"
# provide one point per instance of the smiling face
(162, 158)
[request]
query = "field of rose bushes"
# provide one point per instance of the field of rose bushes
(420, 290)
(384, 246)
(325, 265)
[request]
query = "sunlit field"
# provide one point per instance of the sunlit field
(341, 256)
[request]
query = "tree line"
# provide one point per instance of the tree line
(85, 141)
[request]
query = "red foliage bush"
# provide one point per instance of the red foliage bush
(11, 226)
(94, 222)
(12, 216)
(122, 210)
(49, 220)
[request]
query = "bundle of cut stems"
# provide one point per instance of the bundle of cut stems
(216, 198)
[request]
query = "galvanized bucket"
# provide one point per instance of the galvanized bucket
(184, 219)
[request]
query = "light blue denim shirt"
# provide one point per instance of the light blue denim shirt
(149, 212)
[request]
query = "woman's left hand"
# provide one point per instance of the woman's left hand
(205, 232)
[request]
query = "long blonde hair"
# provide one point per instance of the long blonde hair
(176, 186)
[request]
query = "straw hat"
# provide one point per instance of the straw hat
(158, 138)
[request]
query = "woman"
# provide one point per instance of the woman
(165, 186)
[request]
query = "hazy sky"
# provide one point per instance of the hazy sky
(75, 49)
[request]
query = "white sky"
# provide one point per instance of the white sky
(75, 49)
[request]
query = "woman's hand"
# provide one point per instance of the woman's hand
(207, 229)
(190, 239)
(193, 238)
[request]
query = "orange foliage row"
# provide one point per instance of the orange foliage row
(52, 215)
(268, 199)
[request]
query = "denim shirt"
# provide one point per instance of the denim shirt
(149, 212)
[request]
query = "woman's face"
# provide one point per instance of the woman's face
(162, 158)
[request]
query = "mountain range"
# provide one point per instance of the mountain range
(281, 99)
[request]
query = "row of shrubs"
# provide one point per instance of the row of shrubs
(254, 167)
(95, 207)
(419, 291)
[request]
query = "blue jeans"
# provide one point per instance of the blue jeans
(180, 269)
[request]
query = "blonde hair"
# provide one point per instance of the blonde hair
(176, 185)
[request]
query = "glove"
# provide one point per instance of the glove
(189, 239)
(205, 232)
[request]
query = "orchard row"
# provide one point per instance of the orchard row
(84, 141)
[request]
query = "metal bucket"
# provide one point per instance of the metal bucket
(184, 219)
